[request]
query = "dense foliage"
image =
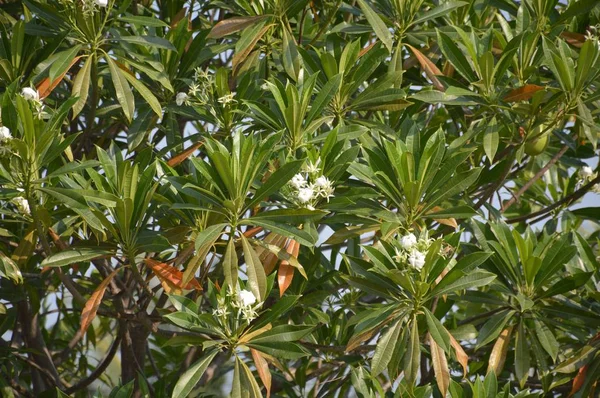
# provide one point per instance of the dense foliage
(299, 198)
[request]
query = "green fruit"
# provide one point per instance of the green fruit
(537, 146)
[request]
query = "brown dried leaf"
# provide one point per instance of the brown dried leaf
(522, 93)
(285, 274)
(578, 380)
(262, 367)
(574, 39)
(430, 69)
(461, 355)
(232, 25)
(91, 306)
(46, 86)
(498, 354)
(170, 277)
(177, 159)
(440, 366)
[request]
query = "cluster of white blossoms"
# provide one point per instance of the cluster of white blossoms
(33, 96)
(237, 303)
(5, 138)
(310, 186)
(412, 250)
(91, 6)
(586, 175)
(22, 205)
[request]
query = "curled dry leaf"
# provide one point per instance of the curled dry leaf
(91, 306)
(461, 355)
(498, 354)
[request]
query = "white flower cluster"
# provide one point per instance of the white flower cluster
(200, 91)
(91, 6)
(309, 186)
(586, 174)
(33, 96)
(412, 250)
(22, 205)
(240, 302)
(5, 138)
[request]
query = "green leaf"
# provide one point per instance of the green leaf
(257, 280)
(124, 94)
(492, 328)
(209, 235)
(277, 180)
(144, 21)
(442, 10)
(144, 92)
(469, 281)
(491, 140)
(379, 27)
(385, 348)
(412, 357)
(230, 266)
(191, 377)
(81, 86)
(300, 235)
(281, 350)
(9, 269)
(71, 256)
(437, 330)
(149, 41)
(291, 59)
(521, 355)
(63, 62)
(455, 56)
(567, 284)
(283, 333)
(546, 338)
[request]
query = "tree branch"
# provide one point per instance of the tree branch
(564, 201)
(536, 177)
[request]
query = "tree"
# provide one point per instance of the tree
(299, 198)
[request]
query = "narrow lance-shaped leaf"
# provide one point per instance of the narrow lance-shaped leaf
(385, 348)
(257, 279)
(192, 376)
(440, 366)
(379, 27)
(91, 306)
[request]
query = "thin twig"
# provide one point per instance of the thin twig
(536, 177)
(99, 369)
(564, 201)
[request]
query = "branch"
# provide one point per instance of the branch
(99, 369)
(566, 201)
(536, 177)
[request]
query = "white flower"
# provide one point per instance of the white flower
(298, 181)
(227, 99)
(30, 94)
(398, 255)
(246, 298)
(586, 172)
(322, 182)
(408, 241)
(181, 98)
(313, 167)
(22, 205)
(416, 259)
(5, 134)
(101, 3)
(305, 194)
(596, 188)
